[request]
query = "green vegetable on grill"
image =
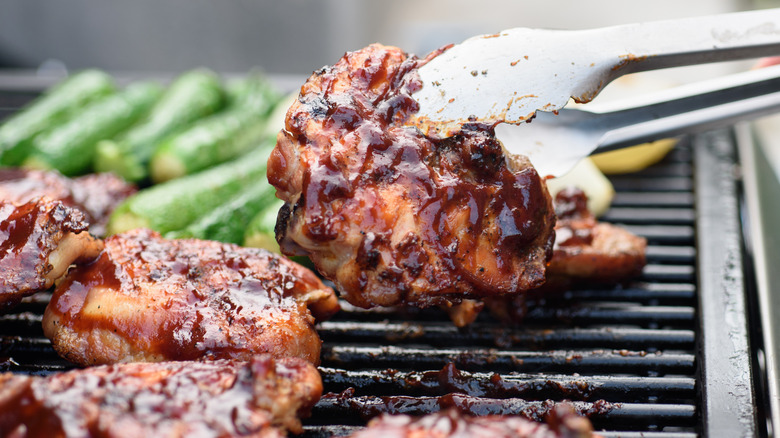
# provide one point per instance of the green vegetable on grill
(70, 147)
(227, 222)
(220, 137)
(48, 111)
(191, 96)
(176, 204)
(260, 231)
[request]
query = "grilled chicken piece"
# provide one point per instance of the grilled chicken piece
(392, 216)
(39, 240)
(585, 251)
(150, 299)
(259, 398)
(563, 423)
(94, 195)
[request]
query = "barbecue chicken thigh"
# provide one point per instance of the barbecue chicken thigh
(590, 250)
(586, 251)
(39, 240)
(95, 195)
(151, 299)
(563, 423)
(393, 216)
(263, 397)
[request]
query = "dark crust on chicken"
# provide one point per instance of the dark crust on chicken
(562, 423)
(586, 249)
(151, 299)
(38, 241)
(586, 253)
(392, 216)
(95, 195)
(260, 398)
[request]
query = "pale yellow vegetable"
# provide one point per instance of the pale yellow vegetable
(275, 121)
(633, 159)
(590, 180)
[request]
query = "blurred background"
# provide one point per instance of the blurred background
(284, 37)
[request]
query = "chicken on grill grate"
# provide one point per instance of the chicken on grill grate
(393, 216)
(39, 240)
(586, 251)
(562, 423)
(95, 195)
(146, 298)
(259, 398)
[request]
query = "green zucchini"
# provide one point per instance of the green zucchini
(260, 231)
(191, 96)
(175, 204)
(227, 222)
(220, 137)
(70, 147)
(254, 93)
(51, 109)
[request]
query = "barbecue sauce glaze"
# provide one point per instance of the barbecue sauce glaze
(259, 397)
(392, 215)
(29, 233)
(146, 298)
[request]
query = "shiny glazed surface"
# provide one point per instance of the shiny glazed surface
(95, 195)
(146, 298)
(452, 424)
(591, 250)
(259, 398)
(391, 215)
(37, 243)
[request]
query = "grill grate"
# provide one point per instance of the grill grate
(632, 358)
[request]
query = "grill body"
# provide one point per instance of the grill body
(666, 355)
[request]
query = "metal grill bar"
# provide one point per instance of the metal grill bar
(515, 385)
(632, 416)
(652, 215)
(490, 335)
(556, 361)
(645, 199)
(725, 368)
(663, 234)
(326, 431)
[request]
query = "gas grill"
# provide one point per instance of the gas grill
(668, 355)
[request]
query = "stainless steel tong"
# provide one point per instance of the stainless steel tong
(519, 74)
(555, 143)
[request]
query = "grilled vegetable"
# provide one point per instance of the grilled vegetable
(217, 138)
(260, 231)
(70, 147)
(51, 109)
(175, 204)
(193, 95)
(588, 178)
(227, 222)
(254, 92)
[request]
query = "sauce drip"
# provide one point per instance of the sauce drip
(424, 219)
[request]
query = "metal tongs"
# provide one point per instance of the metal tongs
(520, 74)
(555, 143)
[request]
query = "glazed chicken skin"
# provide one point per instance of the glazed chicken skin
(587, 252)
(563, 423)
(39, 240)
(95, 195)
(588, 249)
(392, 216)
(151, 299)
(263, 397)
